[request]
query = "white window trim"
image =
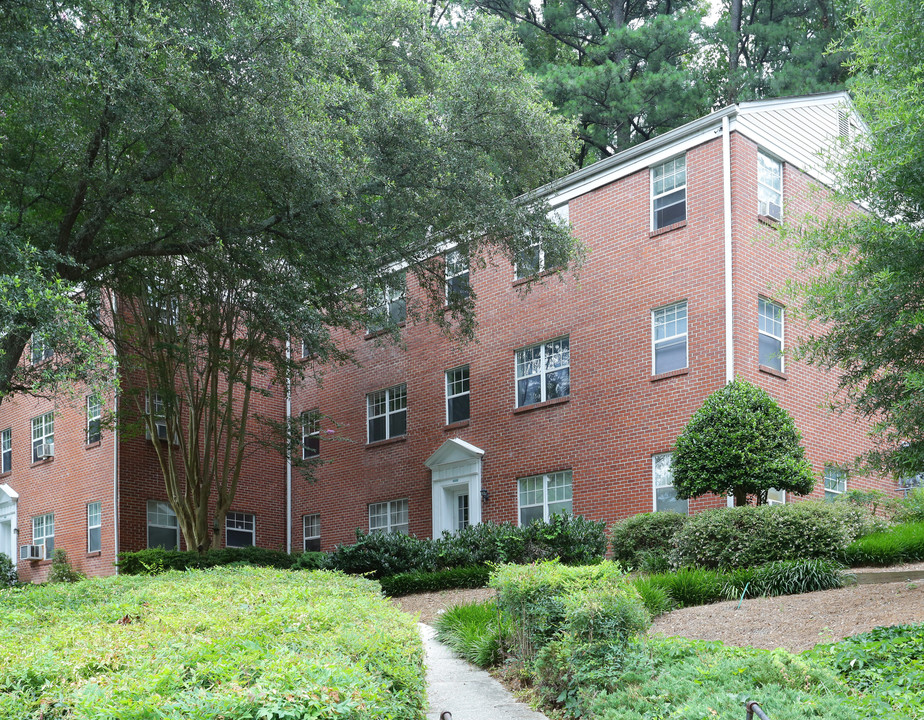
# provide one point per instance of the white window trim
(93, 527)
(311, 428)
(149, 524)
(685, 335)
(305, 536)
(542, 372)
(98, 417)
(47, 519)
(782, 336)
(842, 480)
(390, 294)
(389, 527)
(448, 383)
(6, 449)
(559, 214)
(45, 351)
(467, 272)
(46, 434)
(387, 414)
(653, 197)
(760, 184)
(234, 516)
(545, 494)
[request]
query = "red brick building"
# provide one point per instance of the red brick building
(570, 397)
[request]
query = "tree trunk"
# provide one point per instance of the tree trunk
(734, 44)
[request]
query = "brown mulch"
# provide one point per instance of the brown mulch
(794, 622)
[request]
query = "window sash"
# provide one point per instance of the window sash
(541, 496)
(311, 434)
(386, 413)
(94, 419)
(39, 349)
(770, 329)
(669, 192)
(43, 432)
(835, 483)
(769, 187)
(311, 532)
(6, 451)
(240, 529)
(162, 525)
(391, 306)
(662, 480)
(543, 372)
(94, 527)
(457, 395)
(389, 517)
(669, 329)
(43, 532)
(457, 277)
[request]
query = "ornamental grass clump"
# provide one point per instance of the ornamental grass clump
(898, 544)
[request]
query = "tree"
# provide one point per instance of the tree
(134, 130)
(867, 285)
(740, 443)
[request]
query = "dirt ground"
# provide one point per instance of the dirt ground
(794, 622)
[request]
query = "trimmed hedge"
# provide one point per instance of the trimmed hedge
(474, 576)
(899, 544)
(158, 560)
(645, 538)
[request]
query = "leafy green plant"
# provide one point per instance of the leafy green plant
(645, 538)
(911, 508)
(691, 586)
(785, 577)
(653, 594)
(899, 544)
(157, 560)
(475, 576)
(8, 575)
(61, 569)
(475, 631)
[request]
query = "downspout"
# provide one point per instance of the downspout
(115, 450)
(288, 453)
(729, 311)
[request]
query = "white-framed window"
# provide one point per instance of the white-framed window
(311, 532)
(776, 497)
(163, 528)
(240, 529)
(769, 187)
(43, 532)
(388, 517)
(669, 193)
(94, 527)
(669, 337)
(457, 395)
(39, 349)
(155, 406)
(390, 307)
(43, 436)
(543, 372)
(386, 412)
(534, 259)
(94, 419)
(6, 450)
(835, 483)
(542, 496)
(457, 277)
(770, 334)
(662, 476)
(311, 434)
(163, 308)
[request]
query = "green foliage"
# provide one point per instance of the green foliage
(8, 574)
(157, 560)
(746, 536)
(239, 643)
(61, 569)
(785, 577)
(910, 509)
(639, 539)
(898, 544)
(309, 561)
(379, 555)
(473, 576)
(475, 631)
(654, 594)
(884, 665)
(740, 442)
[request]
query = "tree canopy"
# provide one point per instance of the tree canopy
(341, 144)
(740, 443)
(867, 287)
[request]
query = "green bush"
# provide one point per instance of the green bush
(311, 561)
(158, 560)
(639, 539)
(911, 508)
(475, 631)
(8, 575)
(237, 643)
(748, 536)
(899, 544)
(61, 569)
(475, 576)
(785, 577)
(382, 554)
(572, 539)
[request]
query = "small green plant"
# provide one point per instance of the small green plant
(61, 569)
(8, 575)
(653, 595)
(785, 577)
(911, 508)
(475, 631)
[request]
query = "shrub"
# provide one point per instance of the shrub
(381, 554)
(747, 536)
(899, 544)
(572, 539)
(157, 560)
(474, 576)
(475, 631)
(785, 577)
(911, 508)
(311, 561)
(643, 539)
(61, 569)
(8, 575)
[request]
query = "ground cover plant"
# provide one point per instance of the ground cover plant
(233, 643)
(156, 560)
(899, 544)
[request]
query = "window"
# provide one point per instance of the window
(386, 411)
(40, 349)
(776, 497)
(534, 258)
(769, 187)
(6, 451)
(162, 308)
(43, 437)
(94, 419)
(543, 372)
(669, 193)
(43, 532)
(770, 334)
(390, 307)
(457, 287)
(311, 529)
(542, 496)
(311, 434)
(457, 395)
(155, 407)
(665, 496)
(669, 337)
(835, 483)
(388, 517)
(163, 528)
(94, 527)
(240, 530)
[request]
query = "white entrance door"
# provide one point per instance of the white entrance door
(8, 498)
(456, 486)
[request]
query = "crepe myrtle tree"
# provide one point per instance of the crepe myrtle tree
(740, 443)
(143, 130)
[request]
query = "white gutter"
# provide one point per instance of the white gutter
(115, 451)
(729, 310)
(288, 455)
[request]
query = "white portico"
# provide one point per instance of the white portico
(456, 480)
(8, 500)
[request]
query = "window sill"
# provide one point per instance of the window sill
(769, 221)
(93, 444)
(773, 371)
(386, 441)
(384, 331)
(667, 228)
(38, 463)
(538, 276)
(538, 406)
(6, 474)
(456, 425)
(96, 553)
(672, 373)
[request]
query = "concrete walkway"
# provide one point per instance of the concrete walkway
(464, 690)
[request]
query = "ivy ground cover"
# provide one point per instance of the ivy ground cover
(230, 643)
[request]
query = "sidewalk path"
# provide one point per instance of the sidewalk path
(464, 690)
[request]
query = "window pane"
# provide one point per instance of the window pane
(397, 423)
(529, 514)
(531, 491)
(94, 540)
(528, 262)
(159, 537)
(558, 384)
(459, 408)
(239, 538)
(529, 391)
(670, 355)
(376, 429)
(670, 209)
(559, 508)
(529, 361)
(313, 544)
(666, 501)
(769, 352)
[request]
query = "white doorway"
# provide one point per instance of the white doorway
(456, 486)
(8, 500)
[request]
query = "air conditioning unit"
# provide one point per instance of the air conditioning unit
(161, 430)
(31, 552)
(45, 451)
